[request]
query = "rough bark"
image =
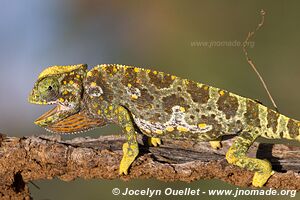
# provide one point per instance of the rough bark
(44, 157)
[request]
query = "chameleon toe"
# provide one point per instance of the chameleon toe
(154, 141)
(216, 144)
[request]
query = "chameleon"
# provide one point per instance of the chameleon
(158, 105)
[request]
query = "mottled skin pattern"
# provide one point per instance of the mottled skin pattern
(159, 105)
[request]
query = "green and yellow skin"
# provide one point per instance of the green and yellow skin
(158, 105)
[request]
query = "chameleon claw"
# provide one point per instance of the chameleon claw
(154, 141)
(272, 173)
(123, 171)
(260, 178)
(215, 144)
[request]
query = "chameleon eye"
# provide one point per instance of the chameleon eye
(47, 86)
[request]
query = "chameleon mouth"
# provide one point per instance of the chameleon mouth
(47, 114)
(77, 123)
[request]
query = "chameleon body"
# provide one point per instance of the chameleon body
(158, 105)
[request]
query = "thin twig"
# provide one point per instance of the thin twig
(251, 34)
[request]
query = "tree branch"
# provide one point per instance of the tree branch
(45, 157)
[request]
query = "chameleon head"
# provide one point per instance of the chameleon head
(60, 85)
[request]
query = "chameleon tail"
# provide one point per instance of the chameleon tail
(279, 126)
(288, 128)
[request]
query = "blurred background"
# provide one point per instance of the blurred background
(191, 39)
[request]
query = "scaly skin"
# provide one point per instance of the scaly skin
(160, 106)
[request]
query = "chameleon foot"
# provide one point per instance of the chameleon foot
(154, 141)
(130, 151)
(260, 178)
(237, 155)
(215, 144)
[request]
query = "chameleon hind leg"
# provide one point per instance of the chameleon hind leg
(130, 148)
(237, 155)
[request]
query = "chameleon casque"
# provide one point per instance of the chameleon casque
(158, 105)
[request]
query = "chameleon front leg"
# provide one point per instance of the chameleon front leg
(237, 155)
(130, 148)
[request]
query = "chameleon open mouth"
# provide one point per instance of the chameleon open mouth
(48, 118)
(75, 123)
(47, 114)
